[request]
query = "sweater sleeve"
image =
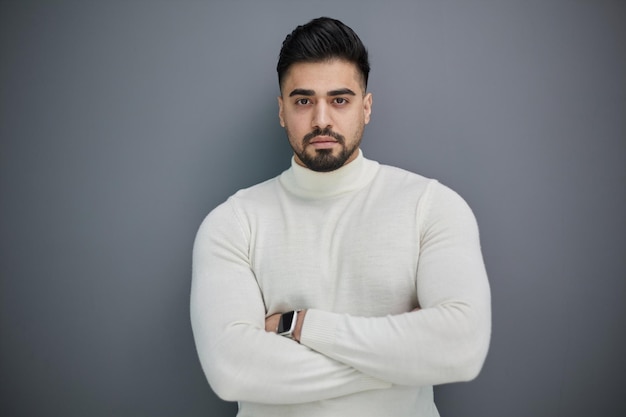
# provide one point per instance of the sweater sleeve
(447, 340)
(242, 361)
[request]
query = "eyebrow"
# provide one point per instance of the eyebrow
(341, 92)
(301, 92)
(332, 93)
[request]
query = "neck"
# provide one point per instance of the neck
(309, 184)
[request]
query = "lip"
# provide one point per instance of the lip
(323, 139)
(323, 142)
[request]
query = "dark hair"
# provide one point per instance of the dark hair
(323, 39)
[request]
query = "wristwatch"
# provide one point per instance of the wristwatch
(287, 323)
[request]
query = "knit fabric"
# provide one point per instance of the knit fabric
(360, 248)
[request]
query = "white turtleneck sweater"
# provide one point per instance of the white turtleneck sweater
(359, 248)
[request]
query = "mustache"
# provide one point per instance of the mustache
(323, 132)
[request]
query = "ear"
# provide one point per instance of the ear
(281, 115)
(367, 107)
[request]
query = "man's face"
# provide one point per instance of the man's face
(323, 108)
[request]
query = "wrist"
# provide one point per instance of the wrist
(297, 332)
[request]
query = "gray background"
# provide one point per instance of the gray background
(123, 123)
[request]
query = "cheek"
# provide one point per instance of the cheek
(295, 125)
(293, 140)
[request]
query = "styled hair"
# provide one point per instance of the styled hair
(323, 39)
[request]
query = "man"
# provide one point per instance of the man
(372, 276)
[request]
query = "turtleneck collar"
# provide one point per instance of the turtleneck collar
(310, 184)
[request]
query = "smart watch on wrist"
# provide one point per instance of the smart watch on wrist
(287, 323)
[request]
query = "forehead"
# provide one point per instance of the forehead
(322, 76)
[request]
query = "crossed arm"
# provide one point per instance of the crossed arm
(272, 322)
(339, 354)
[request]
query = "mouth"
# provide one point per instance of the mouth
(323, 142)
(322, 139)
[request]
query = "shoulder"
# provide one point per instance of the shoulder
(434, 190)
(442, 197)
(443, 208)
(254, 196)
(399, 182)
(256, 193)
(233, 211)
(435, 201)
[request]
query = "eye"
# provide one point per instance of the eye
(303, 101)
(340, 101)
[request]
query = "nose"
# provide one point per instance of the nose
(321, 116)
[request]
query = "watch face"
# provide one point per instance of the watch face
(285, 322)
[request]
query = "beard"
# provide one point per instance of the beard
(323, 160)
